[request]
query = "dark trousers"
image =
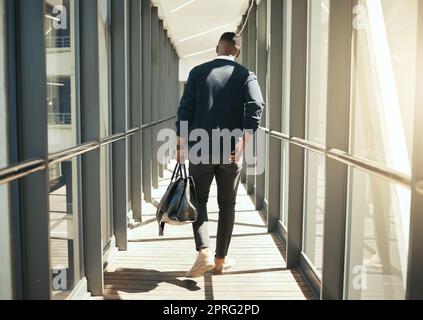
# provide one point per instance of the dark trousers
(227, 179)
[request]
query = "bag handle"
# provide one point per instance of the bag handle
(185, 175)
(176, 173)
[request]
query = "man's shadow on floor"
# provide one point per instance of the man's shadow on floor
(128, 280)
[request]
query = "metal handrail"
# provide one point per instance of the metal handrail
(72, 152)
(133, 131)
(25, 168)
(276, 134)
(17, 171)
(155, 123)
(114, 138)
(311, 146)
(343, 157)
(370, 167)
(21, 166)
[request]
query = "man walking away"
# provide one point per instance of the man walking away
(219, 95)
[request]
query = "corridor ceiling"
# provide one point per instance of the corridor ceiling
(196, 25)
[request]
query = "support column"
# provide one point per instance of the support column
(161, 84)
(297, 129)
(337, 135)
(135, 106)
(155, 93)
(32, 92)
(120, 96)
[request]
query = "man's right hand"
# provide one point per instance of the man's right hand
(180, 155)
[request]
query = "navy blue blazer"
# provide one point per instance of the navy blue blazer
(221, 94)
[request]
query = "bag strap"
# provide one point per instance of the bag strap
(185, 175)
(176, 173)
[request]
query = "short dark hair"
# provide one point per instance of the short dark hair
(229, 37)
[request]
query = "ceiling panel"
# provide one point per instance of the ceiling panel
(196, 25)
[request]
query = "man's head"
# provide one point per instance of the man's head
(229, 45)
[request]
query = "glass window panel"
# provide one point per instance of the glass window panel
(268, 40)
(315, 179)
(317, 70)
(61, 74)
(286, 64)
(266, 174)
(5, 243)
(286, 80)
(105, 119)
(384, 83)
(62, 134)
(64, 230)
(106, 208)
(3, 89)
(284, 183)
(104, 63)
(377, 238)
(6, 292)
(314, 207)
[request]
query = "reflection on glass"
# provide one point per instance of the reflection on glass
(284, 184)
(286, 64)
(316, 131)
(61, 81)
(105, 124)
(384, 83)
(286, 74)
(314, 209)
(106, 208)
(3, 102)
(377, 238)
(317, 70)
(6, 272)
(104, 45)
(266, 174)
(3, 89)
(268, 38)
(62, 134)
(5, 252)
(64, 244)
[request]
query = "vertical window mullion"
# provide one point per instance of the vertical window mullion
(261, 76)
(298, 95)
(33, 144)
(414, 289)
(274, 113)
(155, 93)
(337, 136)
(146, 97)
(135, 105)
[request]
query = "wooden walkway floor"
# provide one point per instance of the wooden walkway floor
(153, 268)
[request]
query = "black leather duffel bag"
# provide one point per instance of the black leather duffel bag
(179, 204)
